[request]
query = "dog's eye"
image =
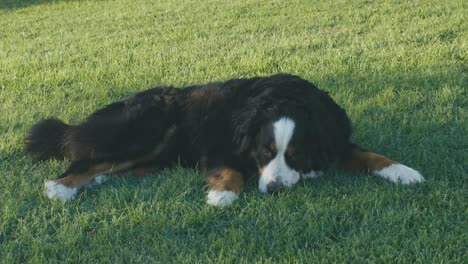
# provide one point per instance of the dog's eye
(267, 153)
(269, 150)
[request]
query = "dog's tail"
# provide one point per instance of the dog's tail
(359, 159)
(46, 139)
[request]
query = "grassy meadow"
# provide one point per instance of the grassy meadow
(398, 67)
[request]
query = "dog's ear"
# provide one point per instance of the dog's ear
(248, 120)
(246, 126)
(328, 128)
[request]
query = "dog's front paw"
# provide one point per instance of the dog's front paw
(400, 173)
(57, 191)
(221, 198)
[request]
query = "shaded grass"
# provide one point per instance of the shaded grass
(398, 67)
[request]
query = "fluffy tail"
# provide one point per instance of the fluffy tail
(361, 160)
(45, 140)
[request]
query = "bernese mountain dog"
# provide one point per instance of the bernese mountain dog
(278, 128)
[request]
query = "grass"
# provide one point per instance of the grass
(398, 67)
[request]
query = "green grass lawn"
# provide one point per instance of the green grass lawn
(398, 67)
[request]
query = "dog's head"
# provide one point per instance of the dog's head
(280, 154)
(283, 146)
(291, 145)
(290, 129)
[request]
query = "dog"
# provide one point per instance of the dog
(278, 128)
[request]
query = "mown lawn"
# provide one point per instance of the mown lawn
(398, 67)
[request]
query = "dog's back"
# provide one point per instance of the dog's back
(126, 128)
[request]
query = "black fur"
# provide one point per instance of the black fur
(46, 139)
(217, 124)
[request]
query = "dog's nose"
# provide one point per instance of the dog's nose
(273, 186)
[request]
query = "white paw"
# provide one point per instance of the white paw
(221, 198)
(59, 191)
(101, 179)
(312, 174)
(98, 180)
(400, 173)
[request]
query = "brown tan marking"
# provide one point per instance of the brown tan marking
(225, 179)
(79, 180)
(366, 161)
(260, 171)
(290, 151)
(273, 148)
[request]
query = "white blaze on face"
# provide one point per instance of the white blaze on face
(277, 170)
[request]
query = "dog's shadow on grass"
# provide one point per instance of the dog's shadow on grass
(15, 4)
(171, 184)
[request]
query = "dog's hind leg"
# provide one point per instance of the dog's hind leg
(81, 173)
(361, 160)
